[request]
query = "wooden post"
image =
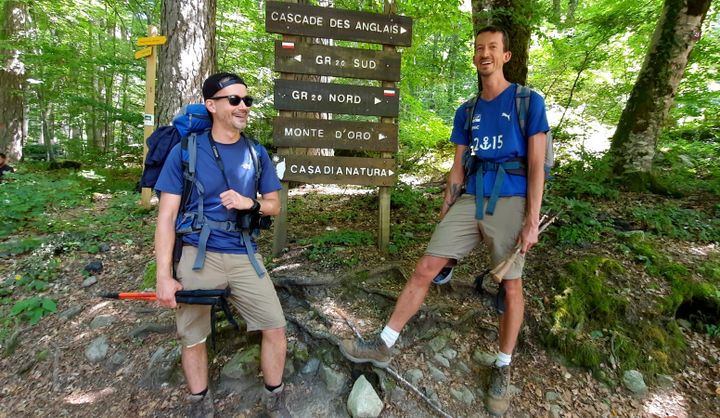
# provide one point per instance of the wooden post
(149, 116)
(281, 221)
(384, 192)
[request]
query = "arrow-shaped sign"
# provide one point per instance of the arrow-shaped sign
(381, 137)
(298, 58)
(377, 100)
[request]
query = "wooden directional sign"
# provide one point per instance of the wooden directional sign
(307, 96)
(151, 40)
(319, 133)
(337, 170)
(294, 57)
(327, 22)
(145, 52)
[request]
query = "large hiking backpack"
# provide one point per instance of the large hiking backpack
(516, 166)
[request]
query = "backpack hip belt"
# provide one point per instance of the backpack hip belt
(511, 167)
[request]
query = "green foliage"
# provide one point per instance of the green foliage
(33, 309)
(149, 276)
(587, 177)
(669, 219)
(333, 247)
(687, 159)
(581, 222)
(32, 200)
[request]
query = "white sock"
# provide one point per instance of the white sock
(389, 336)
(502, 359)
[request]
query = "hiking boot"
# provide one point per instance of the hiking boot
(498, 397)
(275, 403)
(373, 351)
(201, 406)
(444, 276)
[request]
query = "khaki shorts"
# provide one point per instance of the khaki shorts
(459, 232)
(254, 297)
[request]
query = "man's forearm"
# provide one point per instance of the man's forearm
(164, 244)
(536, 178)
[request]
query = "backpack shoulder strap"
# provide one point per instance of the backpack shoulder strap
(522, 105)
(188, 152)
(469, 107)
(254, 149)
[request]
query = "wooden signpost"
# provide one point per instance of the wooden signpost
(295, 57)
(336, 98)
(332, 23)
(148, 52)
(321, 133)
(337, 170)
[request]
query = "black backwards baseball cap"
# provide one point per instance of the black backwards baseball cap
(219, 81)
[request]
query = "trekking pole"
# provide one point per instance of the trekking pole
(190, 297)
(501, 269)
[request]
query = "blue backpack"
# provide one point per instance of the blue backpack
(517, 166)
(192, 119)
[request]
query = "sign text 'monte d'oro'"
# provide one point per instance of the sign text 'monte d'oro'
(336, 170)
(328, 22)
(322, 133)
(306, 96)
(300, 58)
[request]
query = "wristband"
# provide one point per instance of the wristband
(255, 207)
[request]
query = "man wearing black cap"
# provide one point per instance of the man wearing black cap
(226, 185)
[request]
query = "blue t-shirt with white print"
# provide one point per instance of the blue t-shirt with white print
(496, 136)
(240, 172)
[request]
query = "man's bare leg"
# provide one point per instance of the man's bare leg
(272, 355)
(511, 321)
(195, 367)
(416, 288)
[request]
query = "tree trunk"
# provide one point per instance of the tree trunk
(556, 11)
(570, 17)
(12, 72)
(46, 115)
(187, 58)
(635, 140)
(514, 17)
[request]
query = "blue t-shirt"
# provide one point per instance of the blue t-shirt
(240, 172)
(496, 136)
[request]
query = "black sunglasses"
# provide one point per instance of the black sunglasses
(235, 100)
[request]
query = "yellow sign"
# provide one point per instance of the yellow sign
(151, 40)
(145, 52)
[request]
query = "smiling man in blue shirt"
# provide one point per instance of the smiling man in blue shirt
(498, 202)
(220, 254)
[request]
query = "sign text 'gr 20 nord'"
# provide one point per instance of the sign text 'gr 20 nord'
(305, 96)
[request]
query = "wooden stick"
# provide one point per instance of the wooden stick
(499, 272)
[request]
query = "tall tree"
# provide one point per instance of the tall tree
(514, 16)
(12, 71)
(188, 57)
(634, 143)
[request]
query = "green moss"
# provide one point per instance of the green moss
(590, 330)
(585, 297)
